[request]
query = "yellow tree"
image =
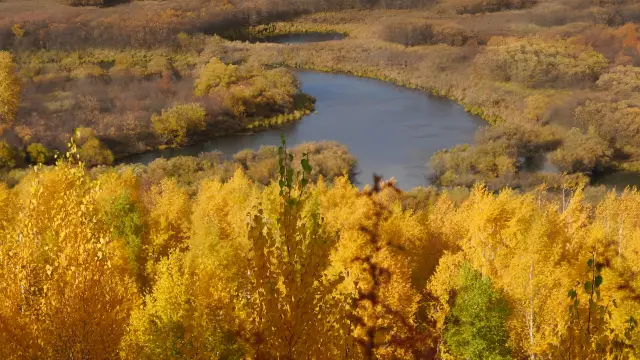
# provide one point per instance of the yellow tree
(287, 292)
(605, 306)
(521, 243)
(373, 258)
(67, 292)
(190, 311)
(9, 90)
(167, 223)
(186, 316)
(252, 281)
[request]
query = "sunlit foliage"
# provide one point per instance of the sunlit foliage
(204, 258)
(537, 62)
(247, 90)
(66, 289)
(174, 124)
(118, 266)
(9, 89)
(216, 74)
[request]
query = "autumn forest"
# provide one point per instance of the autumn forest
(276, 252)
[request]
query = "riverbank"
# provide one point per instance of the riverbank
(531, 117)
(571, 101)
(133, 101)
(355, 112)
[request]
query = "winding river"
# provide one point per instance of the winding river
(392, 131)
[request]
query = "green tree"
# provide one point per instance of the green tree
(10, 156)
(476, 326)
(38, 154)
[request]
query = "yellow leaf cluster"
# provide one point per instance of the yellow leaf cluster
(9, 89)
(113, 267)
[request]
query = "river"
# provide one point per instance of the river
(392, 131)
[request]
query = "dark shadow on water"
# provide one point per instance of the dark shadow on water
(618, 180)
(294, 38)
(305, 38)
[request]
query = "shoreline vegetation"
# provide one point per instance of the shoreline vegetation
(574, 94)
(533, 111)
(224, 99)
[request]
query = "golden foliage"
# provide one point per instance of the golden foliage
(9, 90)
(168, 225)
(173, 125)
(215, 74)
(114, 267)
(66, 290)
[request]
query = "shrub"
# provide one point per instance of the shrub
(501, 152)
(93, 153)
(158, 65)
(616, 123)
(38, 154)
(408, 34)
(216, 74)
(330, 160)
(421, 33)
(10, 156)
(83, 134)
(494, 163)
(173, 125)
(582, 153)
(188, 171)
(261, 165)
(87, 71)
(86, 2)
(621, 45)
(621, 80)
(248, 90)
(263, 94)
(536, 62)
(524, 139)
